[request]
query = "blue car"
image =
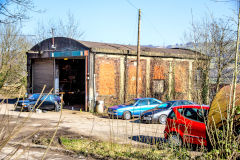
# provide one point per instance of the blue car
(134, 108)
(44, 102)
(160, 113)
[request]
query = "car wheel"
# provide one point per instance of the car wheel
(162, 119)
(175, 140)
(57, 107)
(31, 108)
(126, 115)
(111, 116)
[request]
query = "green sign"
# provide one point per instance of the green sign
(69, 53)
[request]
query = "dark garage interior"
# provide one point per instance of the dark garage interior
(72, 82)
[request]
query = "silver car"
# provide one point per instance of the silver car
(159, 114)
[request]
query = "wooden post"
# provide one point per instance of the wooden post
(138, 54)
(86, 83)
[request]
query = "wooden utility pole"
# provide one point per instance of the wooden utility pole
(138, 54)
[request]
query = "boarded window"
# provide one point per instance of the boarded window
(158, 86)
(107, 79)
(198, 78)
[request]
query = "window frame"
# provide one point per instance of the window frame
(198, 116)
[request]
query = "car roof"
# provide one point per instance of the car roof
(170, 101)
(192, 106)
(178, 101)
(145, 98)
(43, 94)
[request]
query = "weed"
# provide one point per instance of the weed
(105, 150)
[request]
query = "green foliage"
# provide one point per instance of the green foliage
(12, 57)
(222, 149)
(180, 153)
(167, 97)
(2, 79)
(237, 110)
(107, 150)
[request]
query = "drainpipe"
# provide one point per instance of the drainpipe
(94, 81)
(125, 76)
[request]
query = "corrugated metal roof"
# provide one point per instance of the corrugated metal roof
(111, 46)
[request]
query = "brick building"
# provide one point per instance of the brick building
(85, 72)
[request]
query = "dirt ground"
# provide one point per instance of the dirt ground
(80, 124)
(36, 153)
(87, 124)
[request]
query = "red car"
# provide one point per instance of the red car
(186, 124)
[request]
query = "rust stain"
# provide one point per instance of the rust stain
(158, 72)
(180, 78)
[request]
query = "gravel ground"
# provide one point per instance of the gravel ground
(74, 124)
(87, 124)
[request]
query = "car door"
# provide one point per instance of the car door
(47, 102)
(153, 103)
(140, 107)
(192, 126)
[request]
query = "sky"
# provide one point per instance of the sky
(163, 22)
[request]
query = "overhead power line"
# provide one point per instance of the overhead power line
(148, 19)
(19, 35)
(131, 4)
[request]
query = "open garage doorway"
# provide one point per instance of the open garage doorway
(72, 82)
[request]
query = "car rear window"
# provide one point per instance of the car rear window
(46, 98)
(34, 97)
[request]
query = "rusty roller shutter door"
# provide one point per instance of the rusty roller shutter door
(42, 75)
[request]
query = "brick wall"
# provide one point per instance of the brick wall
(107, 79)
(131, 78)
(159, 72)
(181, 78)
(168, 79)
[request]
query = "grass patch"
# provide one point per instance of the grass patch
(106, 150)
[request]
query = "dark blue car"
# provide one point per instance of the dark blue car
(160, 113)
(134, 108)
(44, 102)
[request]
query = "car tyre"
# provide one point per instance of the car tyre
(162, 119)
(31, 108)
(111, 116)
(57, 107)
(127, 115)
(175, 139)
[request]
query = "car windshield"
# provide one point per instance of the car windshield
(34, 97)
(132, 102)
(165, 105)
(46, 98)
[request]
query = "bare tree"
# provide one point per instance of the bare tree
(12, 11)
(216, 39)
(62, 28)
(12, 56)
